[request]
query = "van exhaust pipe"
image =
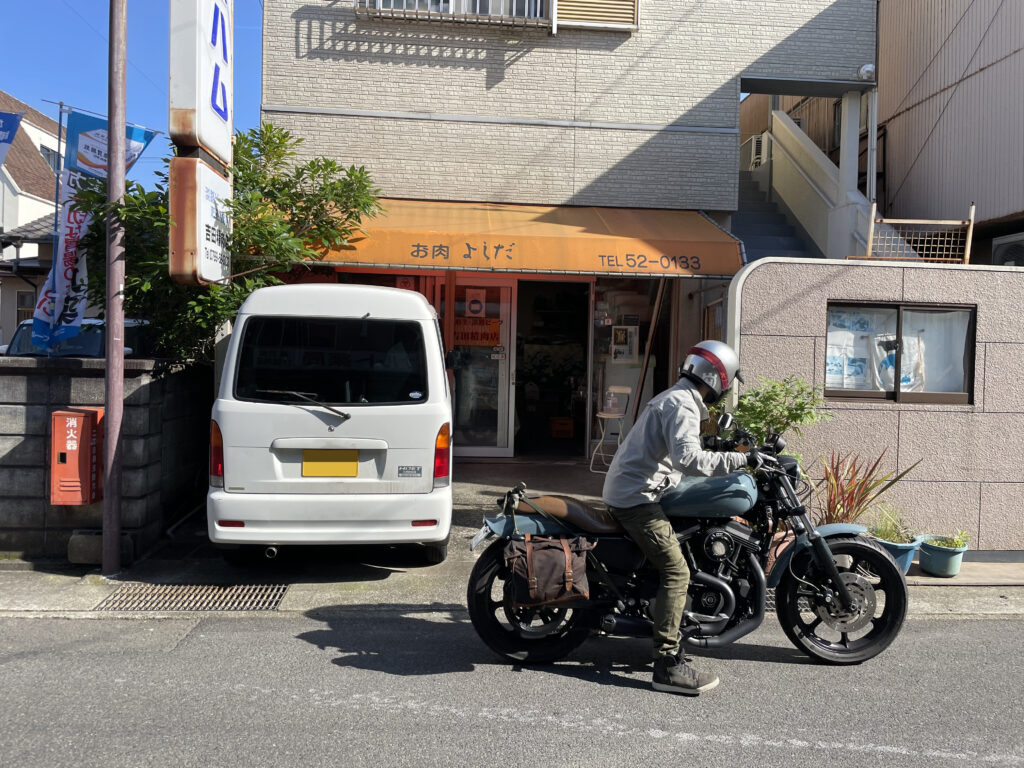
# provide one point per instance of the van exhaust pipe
(270, 553)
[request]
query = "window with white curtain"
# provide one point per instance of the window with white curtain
(903, 352)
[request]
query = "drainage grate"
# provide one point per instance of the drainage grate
(194, 597)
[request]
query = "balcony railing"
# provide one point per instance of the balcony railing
(521, 13)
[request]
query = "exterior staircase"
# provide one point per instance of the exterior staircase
(762, 228)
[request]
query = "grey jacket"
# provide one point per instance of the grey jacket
(662, 446)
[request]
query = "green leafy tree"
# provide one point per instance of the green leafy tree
(287, 214)
(780, 407)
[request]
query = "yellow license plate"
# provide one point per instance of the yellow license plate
(330, 463)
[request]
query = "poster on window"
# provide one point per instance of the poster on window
(476, 302)
(847, 355)
(624, 343)
(884, 349)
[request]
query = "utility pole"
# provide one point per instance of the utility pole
(114, 385)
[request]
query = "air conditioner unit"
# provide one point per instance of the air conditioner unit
(756, 151)
(1008, 251)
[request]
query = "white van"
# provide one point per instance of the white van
(333, 422)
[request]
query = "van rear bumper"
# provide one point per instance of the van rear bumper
(281, 518)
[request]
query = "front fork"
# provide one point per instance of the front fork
(819, 547)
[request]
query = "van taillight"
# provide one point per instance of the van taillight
(442, 456)
(216, 456)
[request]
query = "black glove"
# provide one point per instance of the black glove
(756, 460)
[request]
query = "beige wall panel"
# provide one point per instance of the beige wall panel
(641, 169)
(961, 446)
(941, 508)
(865, 433)
(1002, 524)
(610, 87)
(416, 158)
(776, 357)
(996, 292)
(778, 296)
(1003, 368)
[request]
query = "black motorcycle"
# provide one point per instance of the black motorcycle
(839, 596)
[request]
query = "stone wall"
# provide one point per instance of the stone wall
(164, 449)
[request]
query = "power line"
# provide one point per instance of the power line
(138, 69)
(949, 101)
(935, 56)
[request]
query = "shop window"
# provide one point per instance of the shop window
(908, 353)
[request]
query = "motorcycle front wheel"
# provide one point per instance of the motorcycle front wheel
(535, 635)
(825, 631)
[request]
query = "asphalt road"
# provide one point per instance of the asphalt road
(389, 685)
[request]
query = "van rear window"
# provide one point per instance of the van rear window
(333, 360)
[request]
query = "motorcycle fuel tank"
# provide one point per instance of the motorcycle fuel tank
(727, 496)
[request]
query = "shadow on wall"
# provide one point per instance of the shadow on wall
(334, 32)
(661, 115)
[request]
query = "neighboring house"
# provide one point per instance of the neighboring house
(27, 187)
(949, 127)
(547, 168)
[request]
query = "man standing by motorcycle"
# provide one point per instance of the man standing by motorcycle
(663, 445)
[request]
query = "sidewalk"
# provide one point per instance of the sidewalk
(321, 578)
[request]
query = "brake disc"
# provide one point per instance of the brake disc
(865, 601)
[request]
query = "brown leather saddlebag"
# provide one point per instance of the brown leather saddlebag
(547, 570)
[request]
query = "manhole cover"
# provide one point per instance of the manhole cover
(194, 597)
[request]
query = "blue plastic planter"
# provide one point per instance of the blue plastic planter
(903, 554)
(940, 561)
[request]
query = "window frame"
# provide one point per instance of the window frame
(898, 395)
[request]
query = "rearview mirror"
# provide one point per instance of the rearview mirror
(725, 422)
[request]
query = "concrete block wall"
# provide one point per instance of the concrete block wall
(969, 476)
(165, 438)
(642, 119)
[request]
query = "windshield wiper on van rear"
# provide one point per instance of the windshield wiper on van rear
(308, 396)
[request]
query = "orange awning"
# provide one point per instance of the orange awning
(530, 238)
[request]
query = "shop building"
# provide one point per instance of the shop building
(558, 179)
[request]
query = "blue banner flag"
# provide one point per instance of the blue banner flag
(59, 312)
(9, 122)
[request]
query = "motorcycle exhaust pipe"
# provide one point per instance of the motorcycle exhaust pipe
(626, 626)
(744, 627)
(270, 553)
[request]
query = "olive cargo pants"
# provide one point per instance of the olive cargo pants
(649, 527)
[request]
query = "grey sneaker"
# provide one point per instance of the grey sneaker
(675, 675)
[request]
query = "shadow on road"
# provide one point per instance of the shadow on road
(438, 639)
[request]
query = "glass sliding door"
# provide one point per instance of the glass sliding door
(484, 353)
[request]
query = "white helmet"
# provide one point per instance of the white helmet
(713, 363)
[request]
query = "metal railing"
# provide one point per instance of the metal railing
(535, 13)
(937, 241)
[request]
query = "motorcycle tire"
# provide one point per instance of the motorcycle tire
(825, 632)
(535, 635)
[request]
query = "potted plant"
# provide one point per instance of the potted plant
(851, 486)
(942, 555)
(890, 530)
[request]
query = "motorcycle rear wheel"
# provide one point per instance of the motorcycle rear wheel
(524, 635)
(829, 634)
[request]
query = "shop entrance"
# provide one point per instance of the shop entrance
(551, 367)
(482, 347)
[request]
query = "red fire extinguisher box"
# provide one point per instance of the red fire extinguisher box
(76, 456)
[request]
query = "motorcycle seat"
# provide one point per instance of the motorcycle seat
(574, 513)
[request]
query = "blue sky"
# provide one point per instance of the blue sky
(57, 50)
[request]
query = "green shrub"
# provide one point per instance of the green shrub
(956, 541)
(780, 407)
(890, 526)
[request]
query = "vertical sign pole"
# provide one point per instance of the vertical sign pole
(114, 390)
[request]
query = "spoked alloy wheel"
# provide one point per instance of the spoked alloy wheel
(526, 635)
(825, 631)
